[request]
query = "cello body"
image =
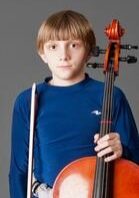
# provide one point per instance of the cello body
(76, 179)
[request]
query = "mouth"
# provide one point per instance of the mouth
(64, 66)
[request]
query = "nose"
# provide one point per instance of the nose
(64, 54)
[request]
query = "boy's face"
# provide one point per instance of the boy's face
(66, 59)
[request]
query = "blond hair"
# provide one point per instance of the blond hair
(65, 25)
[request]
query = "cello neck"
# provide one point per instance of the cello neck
(106, 118)
(103, 174)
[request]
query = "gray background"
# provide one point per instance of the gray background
(20, 65)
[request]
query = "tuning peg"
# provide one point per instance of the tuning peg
(129, 47)
(95, 65)
(97, 51)
(128, 59)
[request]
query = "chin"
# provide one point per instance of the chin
(68, 74)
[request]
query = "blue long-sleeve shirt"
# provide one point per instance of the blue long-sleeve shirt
(67, 119)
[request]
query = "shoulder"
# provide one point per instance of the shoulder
(99, 85)
(119, 96)
(23, 98)
(98, 88)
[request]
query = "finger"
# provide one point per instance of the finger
(113, 143)
(104, 144)
(115, 150)
(115, 155)
(110, 149)
(109, 136)
(105, 151)
(96, 138)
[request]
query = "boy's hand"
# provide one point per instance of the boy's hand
(108, 144)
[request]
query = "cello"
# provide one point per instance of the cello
(92, 177)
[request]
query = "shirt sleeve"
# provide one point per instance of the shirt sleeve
(19, 148)
(124, 123)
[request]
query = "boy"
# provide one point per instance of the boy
(66, 120)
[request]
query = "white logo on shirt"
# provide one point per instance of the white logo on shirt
(96, 112)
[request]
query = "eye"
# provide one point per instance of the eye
(52, 47)
(74, 45)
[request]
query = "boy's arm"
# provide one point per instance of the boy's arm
(125, 140)
(19, 149)
(124, 123)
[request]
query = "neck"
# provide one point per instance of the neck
(66, 82)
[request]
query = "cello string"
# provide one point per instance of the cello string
(104, 126)
(105, 186)
(107, 124)
(106, 116)
(104, 129)
(100, 166)
(109, 117)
